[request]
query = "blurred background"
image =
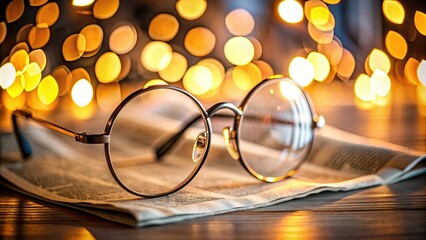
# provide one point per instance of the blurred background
(84, 56)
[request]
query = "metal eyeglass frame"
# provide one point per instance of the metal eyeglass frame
(230, 134)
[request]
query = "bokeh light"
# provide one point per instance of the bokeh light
(320, 36)
(32, 76)
(38, 56)
(156, 56)
(123, 39)
(3, 31)
(320, 64)
(38, 37)
(104, 9)
(17, 86)
(163, 27)
(410, 70)
(301, 71)
(200, 41)
(82, 93)
(154, 82)
(217, 70)
(20, 60)
(198, 80)
(48, 90)
(332, 50)
(421, 72)
(396, 45)
(393, 11)
(176, 69)
(362, 88)
(346, 66)
(379, 60)
(247, 76)
(108, 67)
(265, 68)
(419, 22)
(239, 50)
(14, 10)
(239, 22)
(93, 35)
(108, 96)
(289, 91)
(82, 3)
(13, 103)
(290, 11)
(61, 74)
(380, 83)
(191, 9)
(74, 47)
(7, 75)
(47, 15)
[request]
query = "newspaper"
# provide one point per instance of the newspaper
(76, 175)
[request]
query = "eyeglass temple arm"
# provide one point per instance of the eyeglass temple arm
(25, 146)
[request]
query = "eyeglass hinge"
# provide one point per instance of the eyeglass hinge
(91, 138)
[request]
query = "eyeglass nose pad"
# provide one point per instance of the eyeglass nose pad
(200, 146)
(230, 143)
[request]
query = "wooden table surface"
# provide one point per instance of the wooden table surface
(388, 212)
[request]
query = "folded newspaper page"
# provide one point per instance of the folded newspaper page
(76, 175)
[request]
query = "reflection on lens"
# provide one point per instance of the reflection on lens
(138, 131)
(283, 131)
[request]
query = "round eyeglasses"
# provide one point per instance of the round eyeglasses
(164, 133)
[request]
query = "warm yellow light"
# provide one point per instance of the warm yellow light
(198, 80)
(216, 69)
(239, 50)
(39, 57)
(419, 22)
(61, 74)
(82, 93)
(396, 45)
(176, 69)
(13, 103)
(14, 10)
(393, 11)
(38, 37)
(17, 86)
(7, 75)
(289, 90)
(239, 22)
(107, 67)
(290, 11)
(320, 64)
(333, 50)
(37, 3)
(20, 60)
(346, 66)
(410, 70)
(301, 71)
(320, 36)
(332, 1)
(22, 35)
(379, 60)
(156, 56)
(380, 83)
(246, 76)
(200, 41)
(123, 39)
(48, 90)
(191, 9)
(82, 3)
(74, 47)
(94, 36)
(3, 31)
(163, 27)
(47, 15)
(421, 72)
(108, 96)
(126, 66)
(32, 76)
(363, 88)
(103, 9)
(319, 16)
(265, 68)
(421, 94)
(154, 82)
